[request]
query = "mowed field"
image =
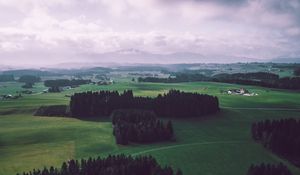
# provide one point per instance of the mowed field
(213, 145)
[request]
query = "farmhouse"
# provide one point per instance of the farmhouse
(66, 88)
(241, 91)
(237, 91)
(104, 82)
(9, 96)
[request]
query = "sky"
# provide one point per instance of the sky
(55, 31)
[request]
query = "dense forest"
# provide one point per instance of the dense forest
(65, 82)
(179, 78)
(141, 126)
(258, 76)
(281, 83)
(54, 89)
(269, 169)
(297, 71)
(173, 104)
(112, 165)
(263, 79)
(34, 72)
(280, 136)
(29, 79)
(6, 78)
(190, 77)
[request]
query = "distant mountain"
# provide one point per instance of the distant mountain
(127, 57)
(138, 56)
(286, 60)
(80, 70)
(80, 65)
(5, 67)
(35, 72)
(130, 52)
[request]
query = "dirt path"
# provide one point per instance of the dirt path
(188, 144)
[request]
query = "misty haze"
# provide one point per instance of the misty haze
(149, 87)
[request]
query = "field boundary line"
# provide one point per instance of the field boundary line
(265, 109)
(187, 144)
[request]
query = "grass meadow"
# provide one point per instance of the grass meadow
(214, 145)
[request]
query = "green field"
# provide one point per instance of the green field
(214, 145)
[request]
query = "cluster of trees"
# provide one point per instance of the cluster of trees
(179, 104)
(112, 165)
(102, 77)
(281, 83)
(6, 78)
(189, 76)
(269, 169)
(27, 86)
(54, 89)
(55, 110)
(173, 104)
(280, 136)
(263, 79)
(29, 80)
(258, 76)
(141, 126)
(297, 71)
(65, 82)
(178, 78)
(21, 72)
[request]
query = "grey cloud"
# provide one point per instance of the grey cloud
(284, 5)
(227, 2)
(291, 7)
(224, 2)
(252, 28)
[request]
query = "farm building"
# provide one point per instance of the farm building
(241, 91)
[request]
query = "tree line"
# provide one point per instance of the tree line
(111, 165)
(281, 83)
(264, 79)
(178, 78)
(29, 80)
(6, 78)
(65, 82)
(172, 104)
(262, 76)
(297, 71)
(191, 77)
(269, 169)
(140, 126)
(280, 136)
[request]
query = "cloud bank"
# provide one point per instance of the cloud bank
(53, 31)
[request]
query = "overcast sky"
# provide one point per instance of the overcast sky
(52, 31)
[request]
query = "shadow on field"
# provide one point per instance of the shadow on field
(17, 111)
(94, 119)
(90, 119)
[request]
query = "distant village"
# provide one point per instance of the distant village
(99, 80)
